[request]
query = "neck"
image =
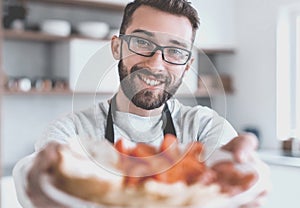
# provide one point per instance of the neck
(125, 105)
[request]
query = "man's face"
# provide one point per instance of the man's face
(150, 81)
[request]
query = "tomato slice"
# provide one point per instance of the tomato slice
(143, 150)
(194, 149)
(172, 175)
(120, 147)
(169, 139)
(180, 166)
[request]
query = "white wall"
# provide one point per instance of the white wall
(217, 27)
(25, 118)
(253, 68)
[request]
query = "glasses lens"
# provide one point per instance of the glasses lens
(141, 46)
(176, 55)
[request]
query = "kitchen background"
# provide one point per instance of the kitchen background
(238, 41)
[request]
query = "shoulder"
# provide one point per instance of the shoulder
(97, 111)
(87, 122)
(200, 122)
(83, 117)
(177, 108)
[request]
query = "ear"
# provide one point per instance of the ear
(189, 64)
(116, 47)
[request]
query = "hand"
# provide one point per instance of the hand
(43, 164)
(243, 148)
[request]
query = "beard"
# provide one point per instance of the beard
(145, 98)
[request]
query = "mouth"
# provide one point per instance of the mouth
(150, 81)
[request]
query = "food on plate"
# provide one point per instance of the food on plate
(181, 166)
(172, 175)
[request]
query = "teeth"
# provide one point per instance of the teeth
(150, 82)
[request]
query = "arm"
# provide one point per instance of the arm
(28, 171)
(218, 133)
(243, 148)
(28, 174)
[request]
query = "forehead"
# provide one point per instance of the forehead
(151, 19)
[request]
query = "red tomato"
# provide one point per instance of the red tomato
(169, 139)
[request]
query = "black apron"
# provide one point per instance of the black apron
(109, 131)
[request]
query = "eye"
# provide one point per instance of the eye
(143, 43)
(176, 52)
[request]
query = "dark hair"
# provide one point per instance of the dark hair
(176, 7)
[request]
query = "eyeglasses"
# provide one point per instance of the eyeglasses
(147, 48)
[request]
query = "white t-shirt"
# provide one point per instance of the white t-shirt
(191, 124)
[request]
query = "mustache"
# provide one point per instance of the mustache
(148, 72)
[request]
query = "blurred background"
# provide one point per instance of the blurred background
(247, 68)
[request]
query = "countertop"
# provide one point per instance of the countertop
(277, 157)
(8, 193)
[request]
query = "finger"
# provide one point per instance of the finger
(242, 147)
(44, 161)
(246, 141)
(47, 157)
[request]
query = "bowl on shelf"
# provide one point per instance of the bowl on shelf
(93, 29)
(56, 27)
(113, 32)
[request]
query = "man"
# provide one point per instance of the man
(154, 53)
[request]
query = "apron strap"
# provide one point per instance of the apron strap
(109, 131)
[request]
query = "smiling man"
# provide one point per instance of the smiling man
(156, 47)
(157, 84)
(154, 50)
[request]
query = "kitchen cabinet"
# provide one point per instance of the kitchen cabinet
(88, 65)
(28, 43)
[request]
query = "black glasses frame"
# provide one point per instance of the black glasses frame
(127, 38)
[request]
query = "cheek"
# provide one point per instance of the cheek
(177, 72)
(130, 57)
(131, 60)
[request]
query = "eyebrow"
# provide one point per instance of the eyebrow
(148, 33)
(176, 42)
(151, 34)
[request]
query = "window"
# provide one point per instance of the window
(288, 73)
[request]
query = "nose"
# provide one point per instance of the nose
(156, 61)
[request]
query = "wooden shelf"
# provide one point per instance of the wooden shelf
(218, 50)
(110, 5)
(26, 35)
(35, 92)
(198, 94)
(54, 92)
(39, 36)
(31, 35)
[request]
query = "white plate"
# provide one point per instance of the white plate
(216, 201)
